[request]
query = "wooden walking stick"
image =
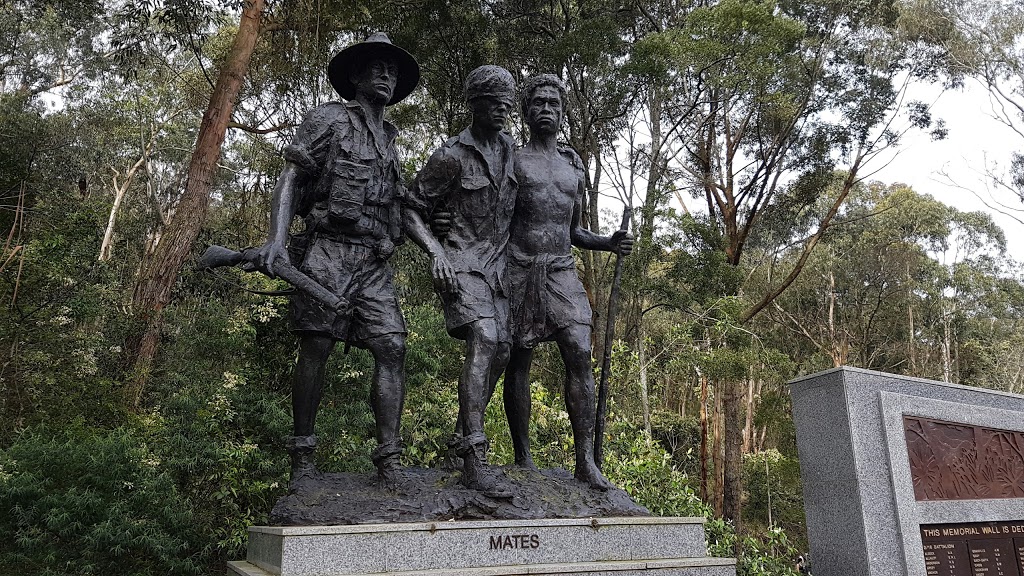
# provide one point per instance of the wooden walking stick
(606, 360)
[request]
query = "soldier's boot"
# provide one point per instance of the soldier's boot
(300, 449)
(386, 457)
(451, 460)
(476, 474)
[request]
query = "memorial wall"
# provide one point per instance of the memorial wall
(909, 476)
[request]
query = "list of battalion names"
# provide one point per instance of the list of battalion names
(981, 549)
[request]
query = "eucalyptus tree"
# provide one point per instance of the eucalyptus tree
(904, 284)
(766, 101)
(48, 45)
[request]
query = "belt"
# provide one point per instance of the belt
(382, 247)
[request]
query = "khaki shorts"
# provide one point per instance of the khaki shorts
(474, 300)
(353, 272)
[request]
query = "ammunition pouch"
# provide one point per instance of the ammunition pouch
(298, 244)
(348, 191)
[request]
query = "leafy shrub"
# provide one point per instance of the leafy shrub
(680, 437)
(647, 472)
(781, 487)
(78, 502)
(770, 553)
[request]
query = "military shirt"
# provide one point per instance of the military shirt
(480, 198)
(351, 178)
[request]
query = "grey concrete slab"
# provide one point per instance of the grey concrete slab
(453, 545)
(244, 568)
(559, 546)
(666, 567)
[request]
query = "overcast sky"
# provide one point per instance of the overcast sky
(975, 140)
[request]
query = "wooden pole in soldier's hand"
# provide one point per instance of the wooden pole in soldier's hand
(606, 360)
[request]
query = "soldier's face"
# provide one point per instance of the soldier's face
(544, 110)
(377, 80)
(489, 112)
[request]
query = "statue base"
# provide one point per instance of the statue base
(429, 495)
(592, 547)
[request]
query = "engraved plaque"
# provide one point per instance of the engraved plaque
(1018, 543)
(947, 559)
(977, 549)
(993, 557)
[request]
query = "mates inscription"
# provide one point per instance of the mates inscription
(514, 542)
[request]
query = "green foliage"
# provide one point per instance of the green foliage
(431, 404)
(774, 495)
(769, 554)
(680, 437)
(901, 275)
(79, 502)
(646, 471)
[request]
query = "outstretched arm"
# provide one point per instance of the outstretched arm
(621, 242)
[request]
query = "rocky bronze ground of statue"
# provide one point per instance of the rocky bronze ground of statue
(436, 494)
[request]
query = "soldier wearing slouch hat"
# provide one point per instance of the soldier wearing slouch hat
(342, 177)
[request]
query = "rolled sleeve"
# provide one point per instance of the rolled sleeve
(310, 146)
(434, 182)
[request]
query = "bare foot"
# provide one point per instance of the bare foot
(589, 473)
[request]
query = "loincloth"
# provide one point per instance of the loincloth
(547, 296)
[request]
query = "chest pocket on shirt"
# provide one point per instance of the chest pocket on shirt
(348, 189)
(476, 196)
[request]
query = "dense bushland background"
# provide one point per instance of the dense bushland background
(142, 411)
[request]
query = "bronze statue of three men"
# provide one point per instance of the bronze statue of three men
(504, 223)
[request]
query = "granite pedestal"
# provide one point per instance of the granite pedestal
(865, 515)
(594, 547)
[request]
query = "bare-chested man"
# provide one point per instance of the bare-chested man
(548, 302)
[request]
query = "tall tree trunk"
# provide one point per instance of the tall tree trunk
(748, 426)
(837, 359)
(947, 364)
(719, 452)
(911, 354)
(160, 272)
(108, 234)
(120, 190)
(703, 436)
(683, 392)
(589, 220)
(734, 419)
(645, 401)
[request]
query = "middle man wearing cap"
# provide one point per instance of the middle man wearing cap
(472, 176)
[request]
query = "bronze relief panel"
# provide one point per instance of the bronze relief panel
(951, 461)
